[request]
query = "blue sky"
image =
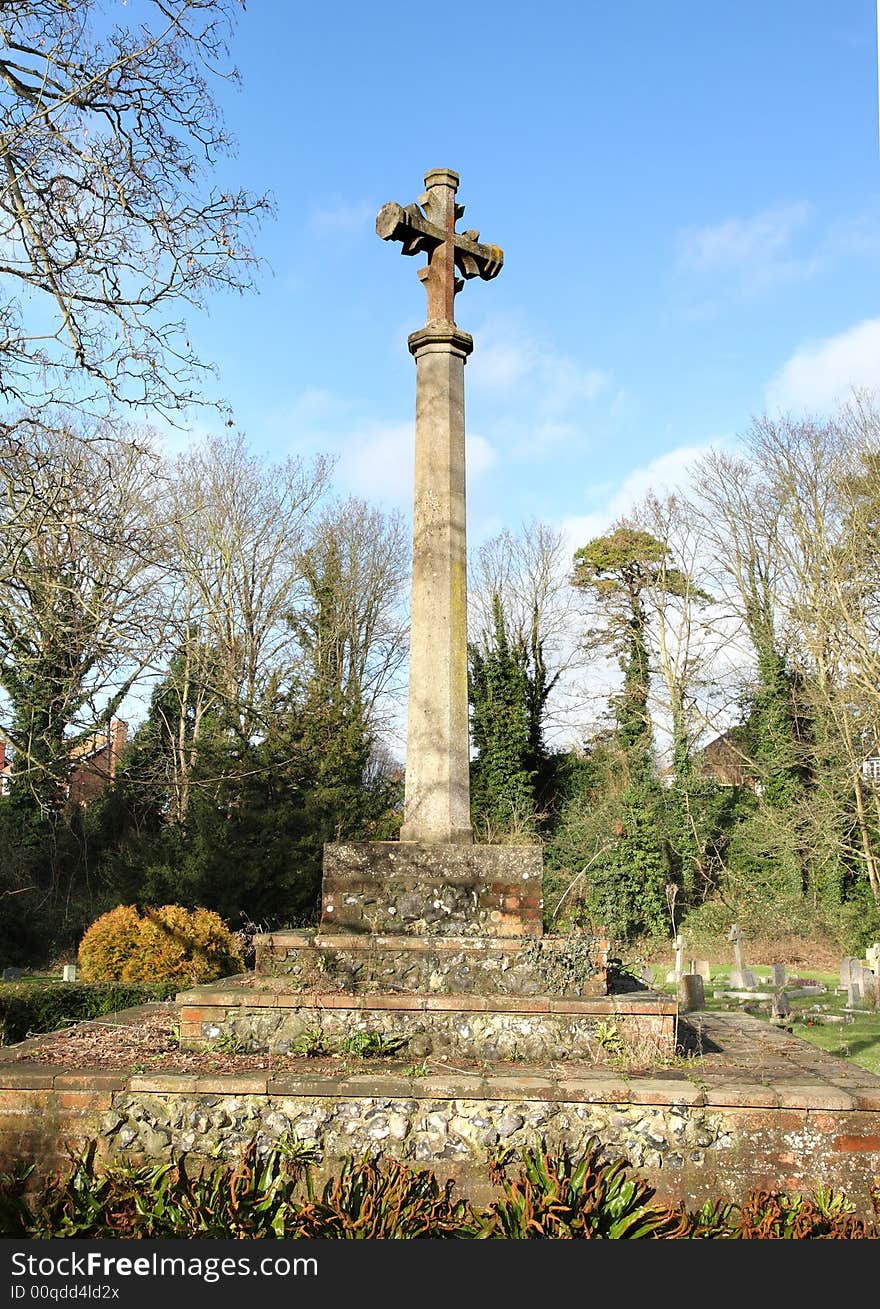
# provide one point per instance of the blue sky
(687, 194)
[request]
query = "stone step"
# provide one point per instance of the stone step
(556, 965)
(255, 1015)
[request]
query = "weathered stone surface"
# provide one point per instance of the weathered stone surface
(549, 965)
(426, 888)
(755, 1108)
(437, 795)
(470, 1027)
(437, 786)
(693, 1152)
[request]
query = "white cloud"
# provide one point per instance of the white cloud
(747, 256)
(315, 408)
(538, 394)
(479, 454)
(510, 359)
(667, 473)
(174, 441)
(819, 375)
(376, 461)
(740, 242)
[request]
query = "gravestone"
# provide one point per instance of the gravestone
(703, 967)
(872, 957)
(69, 973)
(742, 978)
(690, 993)
(678, 968)
(778, 975)
(12, 974)
(780, 1010)
(848, 965)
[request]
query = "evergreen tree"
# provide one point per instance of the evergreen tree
(506, 731)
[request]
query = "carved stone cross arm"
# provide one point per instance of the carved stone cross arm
(428, 227)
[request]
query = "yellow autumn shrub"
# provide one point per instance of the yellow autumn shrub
(109, 944)
(166, 944)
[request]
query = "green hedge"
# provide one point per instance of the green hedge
(28, 1008)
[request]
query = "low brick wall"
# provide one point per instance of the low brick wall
(691, 1143)
(536, 1028)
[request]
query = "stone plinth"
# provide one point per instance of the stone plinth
(445, 965)
(410, 888)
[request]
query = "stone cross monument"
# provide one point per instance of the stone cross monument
(437, 795)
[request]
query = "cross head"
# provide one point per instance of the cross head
(428, 227)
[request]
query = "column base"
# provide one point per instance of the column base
(446, 836)
(425, 888)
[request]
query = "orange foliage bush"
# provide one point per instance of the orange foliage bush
(167, 944)
(109, 944)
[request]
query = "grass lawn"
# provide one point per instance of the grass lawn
(854, 1036)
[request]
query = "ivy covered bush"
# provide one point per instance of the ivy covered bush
(166, 944)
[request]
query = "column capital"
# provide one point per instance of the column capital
(440, 336)
(442, 177)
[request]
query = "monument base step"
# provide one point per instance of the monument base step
(552, 965)
(250, 1014)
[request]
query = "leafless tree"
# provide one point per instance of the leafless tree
(684, 641)
(109, 226)
(823, 476)
(528, 571)
(237, 531)
(80, 607)
(352, 628)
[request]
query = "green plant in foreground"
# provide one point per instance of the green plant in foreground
(609, 1038)
(416, 1070)
(253, 1197)
(554, 1196)
(312, 1043)
(365, 1045)
(269, 1193)
(371, 1044)
(370, 1201)
(229, 1043)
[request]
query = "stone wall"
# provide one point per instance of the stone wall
(689, 1143)
(469, 1027)
(551, 965)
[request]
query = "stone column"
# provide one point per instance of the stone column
(437, 796)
